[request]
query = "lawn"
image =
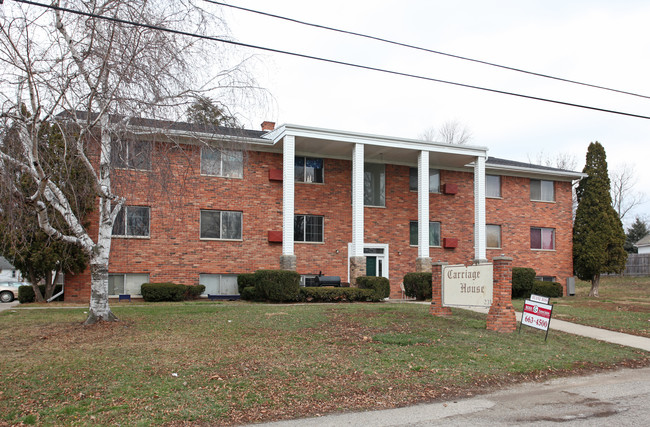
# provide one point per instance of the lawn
(233, 363)
(623, 305)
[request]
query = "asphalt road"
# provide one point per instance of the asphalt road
(618, 398)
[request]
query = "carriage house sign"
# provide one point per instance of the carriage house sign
(467, 286)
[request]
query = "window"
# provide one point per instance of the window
(492, 186)
(224, 163)
(374, 184)
(542, 238)
(542, 190)
(493, 236)
(131, 154)
(545, 278)
(434, 180)
(434, 233)
(309, 169)
(132, 221)
(126, 283)
(223, 225)
(219, 284)
(308, 228)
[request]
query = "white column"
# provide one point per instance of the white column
(288, 193)
(357, 200)
(480, 253)
(423, 204)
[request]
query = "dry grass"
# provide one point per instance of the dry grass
(623, 305)
(232, 363)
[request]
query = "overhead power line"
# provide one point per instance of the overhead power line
(330, 61)
(410, 46)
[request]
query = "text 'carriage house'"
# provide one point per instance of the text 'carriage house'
(206, 204)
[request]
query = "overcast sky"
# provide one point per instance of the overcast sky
(600, 42)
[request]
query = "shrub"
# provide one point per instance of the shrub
(522, 281)
(547, 289)
(418, 285)
(250, 293)
(153, 292)
(26, 293)
(380, 285)
(245, 280)
(328, 294)
(194, 291)
(278, 285)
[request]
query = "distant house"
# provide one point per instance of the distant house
(643, 245)
(8, 271)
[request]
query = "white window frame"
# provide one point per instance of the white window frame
(541, 239)
(204, 277)
(221, 153)
(296, 237)
(125, 277)
(126, 232)
(487, 228)
(542, 183)
(431, 223)
(303, 178)
(490, 179)
(382, 183)
(432, 172)
(221, 212)
(121, 157)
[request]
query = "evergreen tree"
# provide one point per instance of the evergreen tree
(636, 232)
(598, 235)
(40, 257)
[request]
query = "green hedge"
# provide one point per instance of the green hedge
(522, 282)
(26, 293)
(245, 280)
(277, 285)
(329, 294)
(547, 289)
(418, 285)
(380, 285)
(194, 291)
(154, 292)
(250, 293)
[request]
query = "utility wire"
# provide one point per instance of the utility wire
(410, 46)
(330, 61)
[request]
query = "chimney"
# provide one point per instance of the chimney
(268, 126)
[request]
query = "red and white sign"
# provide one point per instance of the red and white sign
(536, 315)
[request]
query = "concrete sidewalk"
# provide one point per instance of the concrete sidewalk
(590, 332)
(573, 328)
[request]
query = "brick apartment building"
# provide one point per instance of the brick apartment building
(320, 200)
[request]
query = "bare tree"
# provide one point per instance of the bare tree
(88, 76)
(565, 161)
(451, 132)
(624, 198)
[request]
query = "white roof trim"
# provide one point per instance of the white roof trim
(527, 171)
(369, 139)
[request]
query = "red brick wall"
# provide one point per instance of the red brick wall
(176, 192)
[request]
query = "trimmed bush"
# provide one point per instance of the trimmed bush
(194, 291)
(26, 293)
(380, 285)
(418, 285)
(327, 294)
(245, 280)
(278, 285)
(547, 289)
(522, 282)
(154, 292)
(250, 293)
